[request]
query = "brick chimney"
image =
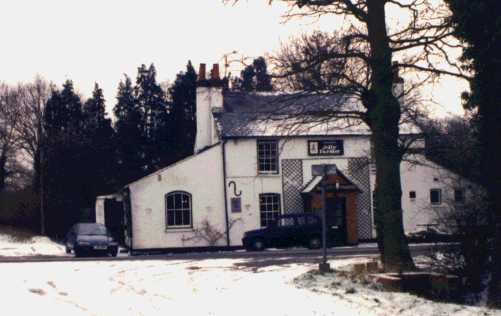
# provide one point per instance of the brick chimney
(201, 73)
(214, 74)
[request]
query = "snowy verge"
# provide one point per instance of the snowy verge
(367, 296)
(10, 246)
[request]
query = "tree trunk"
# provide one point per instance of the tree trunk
(494, 298)
(490, 139)
(3, 171)
(384, 121)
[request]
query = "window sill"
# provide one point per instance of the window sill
(270, 174)
(173, 230)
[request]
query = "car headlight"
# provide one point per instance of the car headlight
(83, 243)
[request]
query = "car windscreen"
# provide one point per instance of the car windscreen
(307, 220)
(91, 229)
(285, 221)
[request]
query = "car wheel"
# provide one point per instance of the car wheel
(78, 253)
(258, 244)
(113, 252)
(314, 242)
(68, 250)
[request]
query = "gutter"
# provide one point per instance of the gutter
(226, 217)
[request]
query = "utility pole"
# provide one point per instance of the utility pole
(324, 265)
(241, 60)
(323, 171)
(41, 144)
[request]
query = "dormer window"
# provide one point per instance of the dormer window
(267, 156)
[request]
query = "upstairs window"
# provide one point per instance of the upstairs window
(412, 195)
(178, 209)
(269, 207)
(267, 156)
(435, 196)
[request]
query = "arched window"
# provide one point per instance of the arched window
(178, 209)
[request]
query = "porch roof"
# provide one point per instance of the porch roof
(315, 182)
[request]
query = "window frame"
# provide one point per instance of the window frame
(276, 159)
(181, 209)
(275, 213)
(412, 195)
(439, 197)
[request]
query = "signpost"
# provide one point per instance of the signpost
(322, 171)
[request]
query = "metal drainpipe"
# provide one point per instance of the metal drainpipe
(126, 201)
(228, 243)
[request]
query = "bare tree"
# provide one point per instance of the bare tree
(208, 233)
(370, 50)
(32, 98)
(10, 116)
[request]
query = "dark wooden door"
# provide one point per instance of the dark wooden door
(336, 219)
(114, 219)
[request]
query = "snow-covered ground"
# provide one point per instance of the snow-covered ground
(34, 246)
(196, 287)
(366, 297)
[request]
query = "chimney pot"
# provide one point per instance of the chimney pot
(215, 72)
(201, 72)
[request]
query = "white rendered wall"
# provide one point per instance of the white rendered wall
(241, 154)
(200, 175)
(100, 219)
(421, 178)
(241, 158)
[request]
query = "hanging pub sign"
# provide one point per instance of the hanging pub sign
(334, 147)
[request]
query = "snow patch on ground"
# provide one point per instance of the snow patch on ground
(198, 287)
(369, 299)
(35, 246)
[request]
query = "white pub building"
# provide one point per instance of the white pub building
(253, 160)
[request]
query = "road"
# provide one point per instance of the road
(298, 254)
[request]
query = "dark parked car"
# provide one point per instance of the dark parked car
(302, 229)
(90, 238)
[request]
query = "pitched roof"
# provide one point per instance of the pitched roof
(252, 114)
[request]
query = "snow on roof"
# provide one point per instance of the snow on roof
(251, 114)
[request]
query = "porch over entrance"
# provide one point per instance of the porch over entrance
(340, 205)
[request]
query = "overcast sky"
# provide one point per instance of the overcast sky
(99, 40)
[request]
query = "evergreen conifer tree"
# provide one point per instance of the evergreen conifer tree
(150, 98)
(130, 143)
(63, 156)
(246, 82)
(263, 79)
(255, 77)
(98, 148)
(182, 114)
